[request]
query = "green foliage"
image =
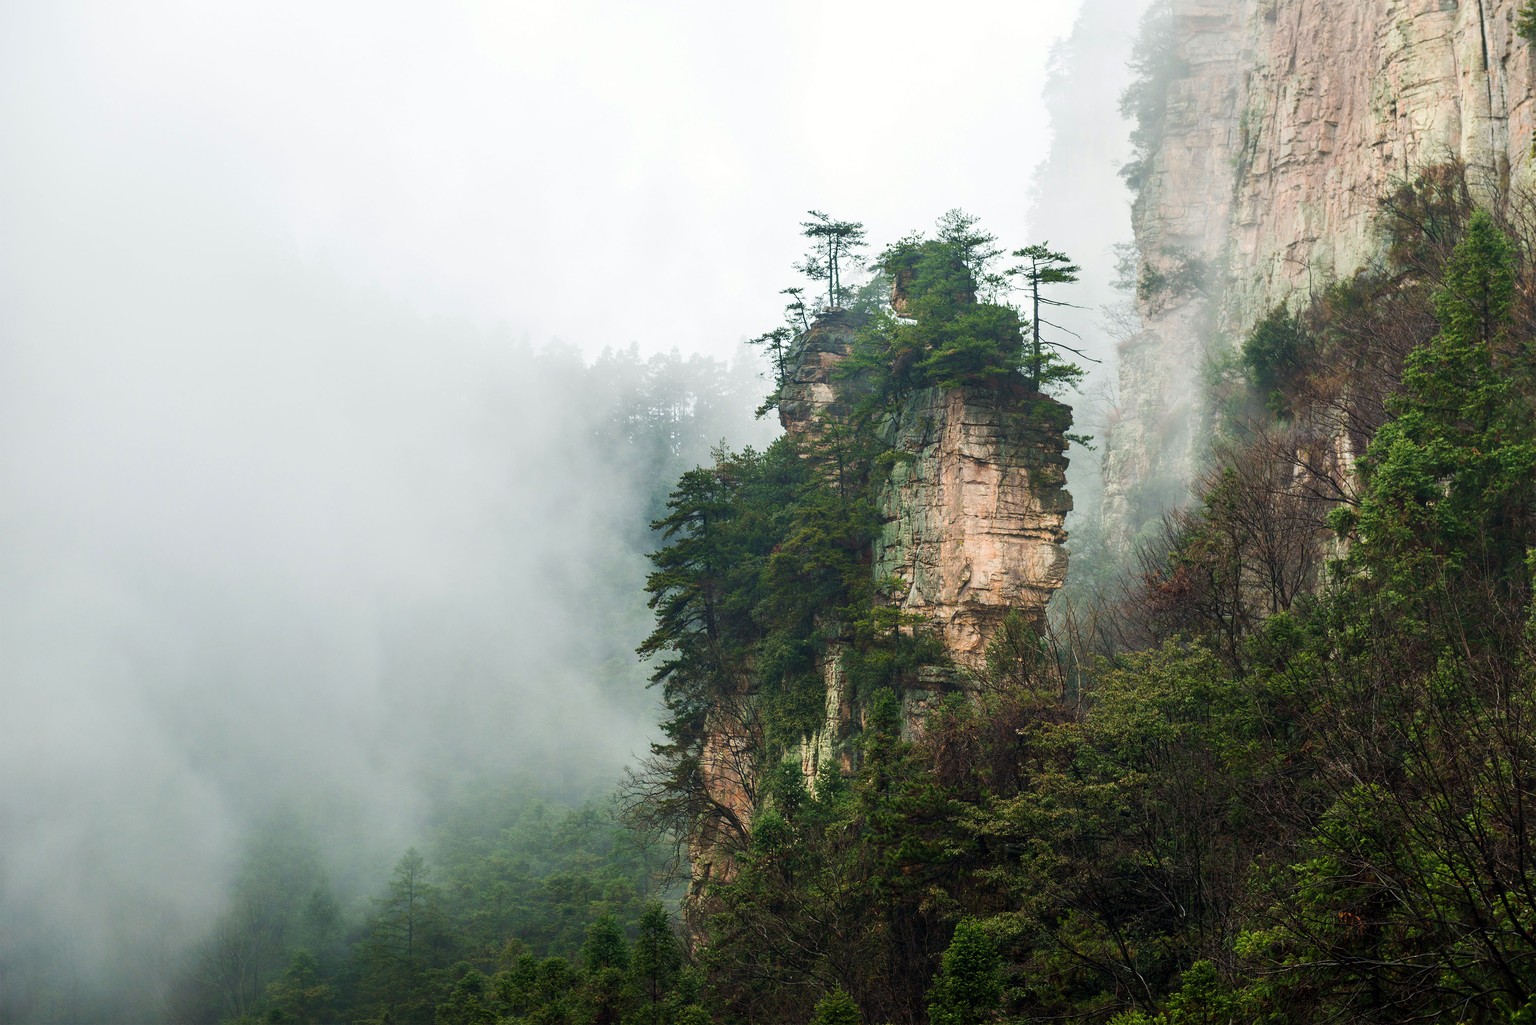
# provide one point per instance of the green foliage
(1275, 355)
(968, 989)
(471, 1002)
(837, 1008)
(1449, 498)
(833, 243)
(300, 995)
(1043, 363)
(405, 944)
(655, 964)
(938, 334)
(605, 946)
(947, 328)
(1525, 21)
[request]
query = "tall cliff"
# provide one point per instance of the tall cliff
(964, 528)
(1270, 129)
(973, 510)
(972, 513)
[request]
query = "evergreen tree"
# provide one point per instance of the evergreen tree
(1043, 266)
(968, 989)
(837, 1008)
(605, 946)
(1448, 501)
(405, 943)
(654, 963)
(833, 244)
(300, 996)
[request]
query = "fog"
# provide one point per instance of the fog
(1080, 205)
(311, 495)
(270, 538)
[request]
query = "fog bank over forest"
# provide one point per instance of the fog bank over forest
(294, 544)
(277, 534)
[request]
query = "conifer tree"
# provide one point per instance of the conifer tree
(1044, 266)
(655, 962)
(837, 1008)
(833, 244)
(1448, 483)
(968, 989)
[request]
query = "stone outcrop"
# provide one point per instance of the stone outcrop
(1285, 122)
(973, 514)
(813, 395)
(976, 500)
(974, 510)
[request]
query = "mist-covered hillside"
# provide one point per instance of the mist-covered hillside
(270, 540)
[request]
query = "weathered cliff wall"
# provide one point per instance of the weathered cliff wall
(1285, 121)
(973, 512)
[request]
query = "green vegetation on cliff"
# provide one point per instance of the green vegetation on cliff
(1286, 779)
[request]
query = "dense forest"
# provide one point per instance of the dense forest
(1278, 770)
(1279, 773)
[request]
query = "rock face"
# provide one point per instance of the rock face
(974, 512)
(812, 395)
(1285, 122)
(974, 508)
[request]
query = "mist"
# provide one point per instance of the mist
(1080, 205)
(315, 491)
(271, 538)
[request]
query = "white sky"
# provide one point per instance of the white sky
(591, 171)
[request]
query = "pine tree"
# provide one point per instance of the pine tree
(404, 942)
(833, 245)
(968, 989)
(837, 1008)
(654, 962)
(1043, 266)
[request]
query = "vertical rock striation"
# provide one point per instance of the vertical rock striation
(976, 501)
(1284, 122)
(974, 510)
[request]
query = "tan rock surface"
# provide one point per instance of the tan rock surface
(1289, 120)
(974, 512)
